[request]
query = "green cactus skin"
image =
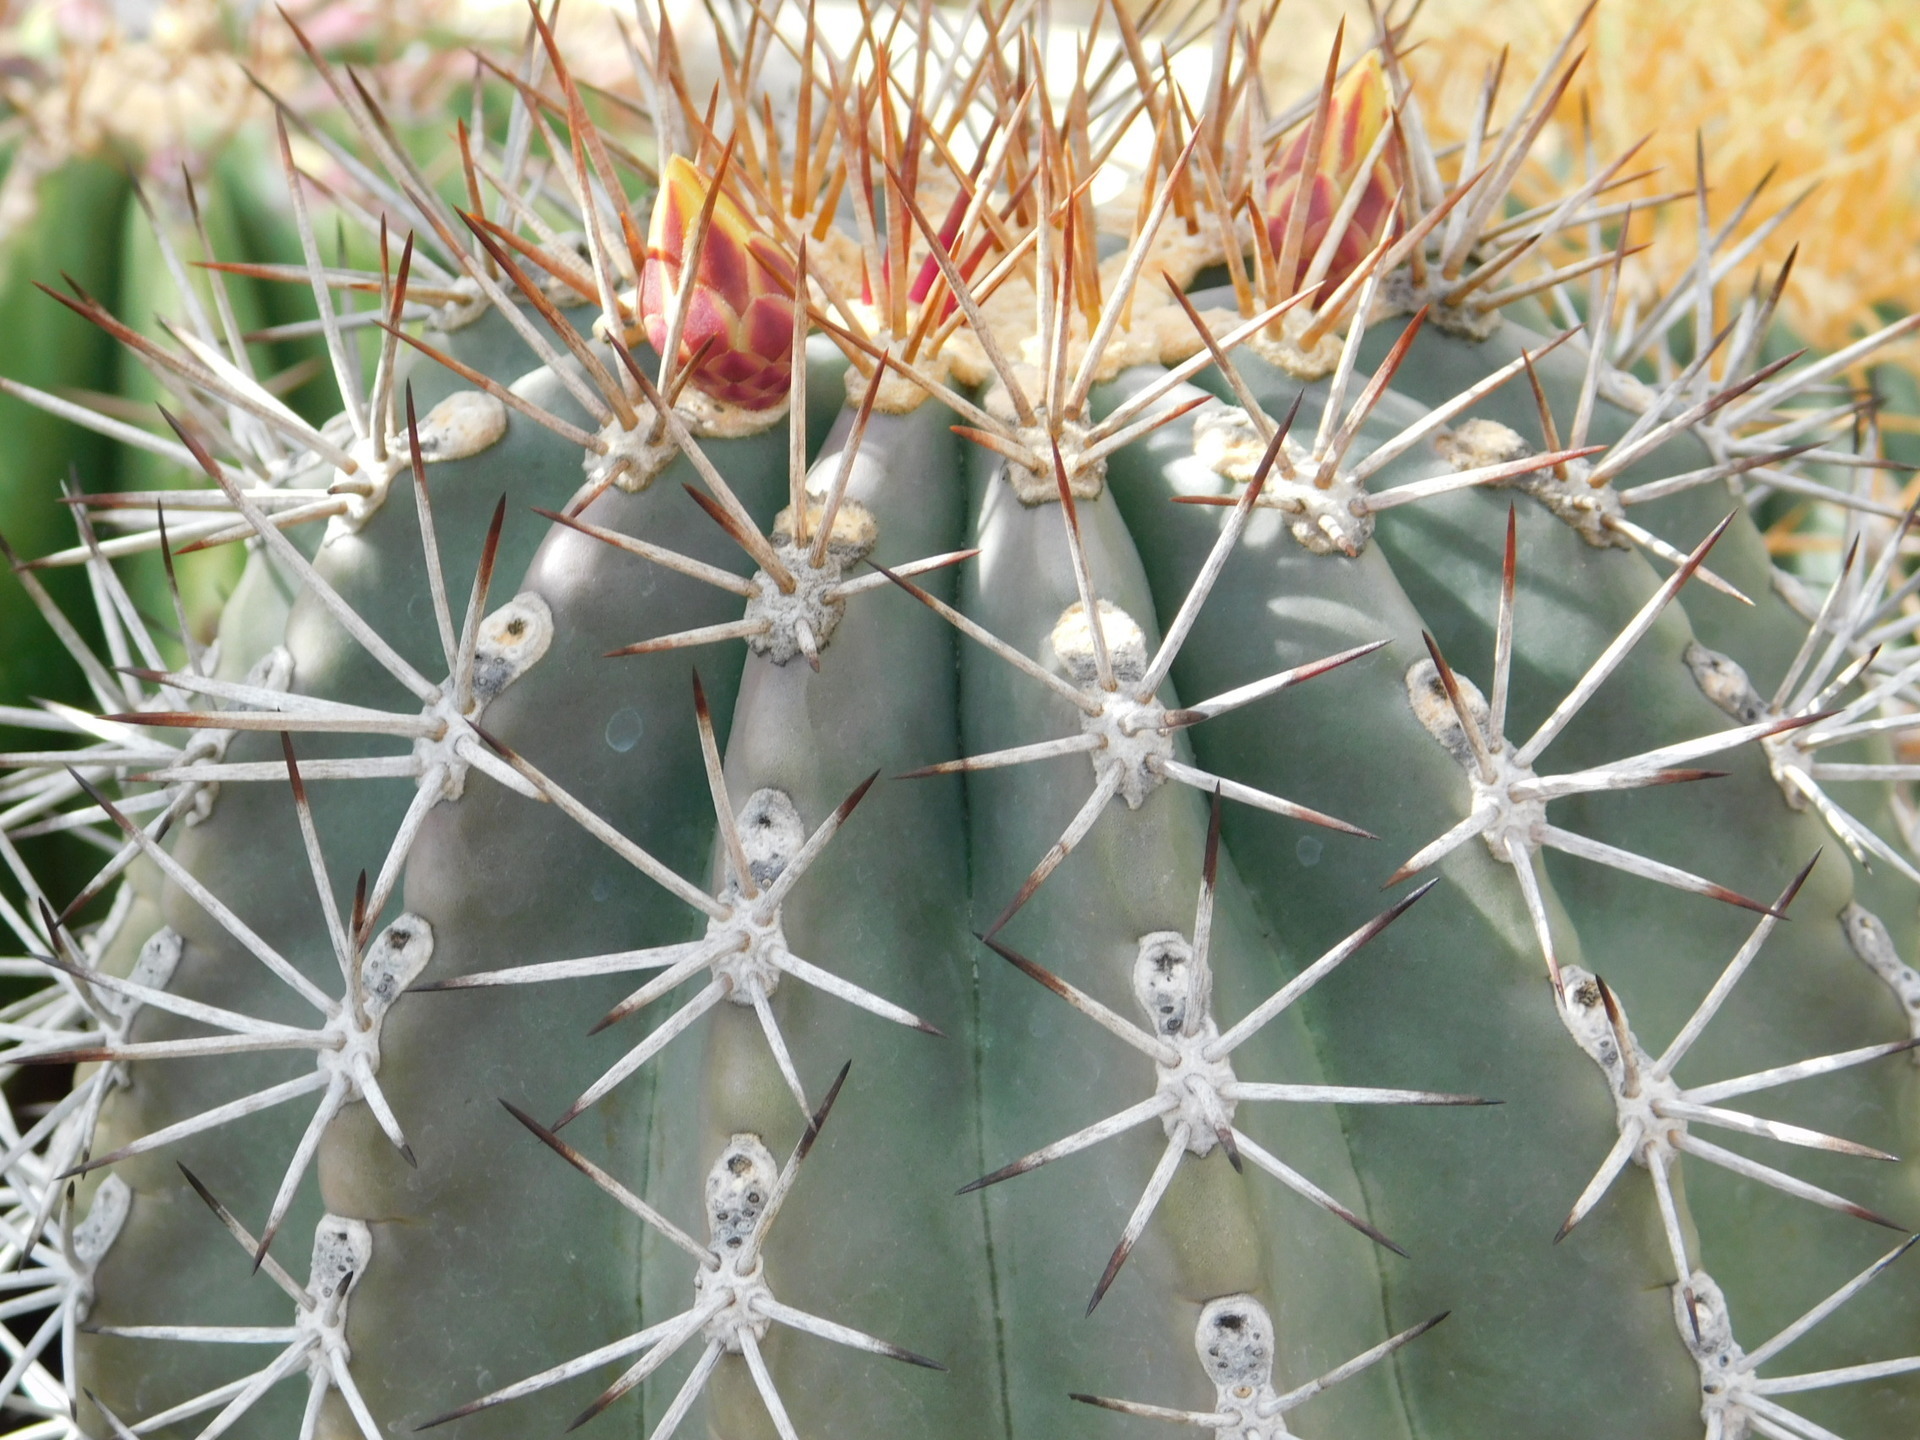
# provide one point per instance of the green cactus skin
(379, 570)
(877, 910)
(479, 877)
(1137, 872)
(492, 1258)
(1743, 825)
(1496, 1040)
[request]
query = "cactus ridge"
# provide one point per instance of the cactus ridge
(768, 853)
(1196, 1091)
(316, 1340)
(1509, 799)
(733, 1306)
(1234, 1340)
(964, 469)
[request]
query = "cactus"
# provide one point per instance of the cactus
(791, 580)
(119, 124)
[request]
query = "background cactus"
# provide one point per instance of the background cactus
(1177, 521)
(120, 122)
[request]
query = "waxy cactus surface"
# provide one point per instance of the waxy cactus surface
(986, 736)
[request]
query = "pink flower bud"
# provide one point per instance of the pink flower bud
(737, 304)
(1358, 112)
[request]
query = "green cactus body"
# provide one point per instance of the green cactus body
(485, 902)
(1137, 873)
(378, 570)
(816, 812)
(877, 909)
(1495, 1042)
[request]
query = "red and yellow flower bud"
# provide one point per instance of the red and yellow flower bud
(737, 303)
(1358, 113)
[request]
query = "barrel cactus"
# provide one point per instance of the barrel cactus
(976, 736)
